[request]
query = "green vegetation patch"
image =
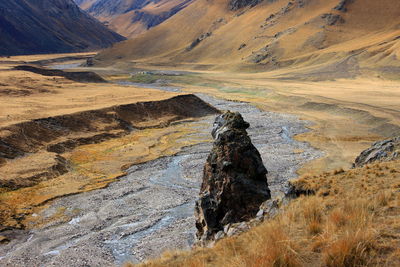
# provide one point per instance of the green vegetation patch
(145, 78)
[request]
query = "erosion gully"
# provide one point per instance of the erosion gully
(151, 209)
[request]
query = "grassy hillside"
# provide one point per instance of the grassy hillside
(331, 37)
(353, 219)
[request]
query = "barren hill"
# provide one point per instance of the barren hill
(132, 17)
(50, 26)
(331, 38)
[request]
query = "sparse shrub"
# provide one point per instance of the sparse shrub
(338, 217)
(314, 227)
(383, 198)
(313, 212)
(276, 249)
(351, 249)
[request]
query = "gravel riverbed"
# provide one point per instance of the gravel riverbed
(151, 209)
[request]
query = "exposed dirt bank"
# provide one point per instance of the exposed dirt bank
(77, 57)
(37, 151)
(82, 76)
(56, 133)
(151, 209)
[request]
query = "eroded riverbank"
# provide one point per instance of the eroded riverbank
(151, 209)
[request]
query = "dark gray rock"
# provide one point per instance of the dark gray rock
(342, 6)
(198, 40)
(234, 179)
(242, 46)
(386, 150)
(238, 4)
(332, 19)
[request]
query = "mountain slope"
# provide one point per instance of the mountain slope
(132, 17)
(330, 36)
(50, 26)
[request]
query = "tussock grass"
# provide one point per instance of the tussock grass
(352, 220)
(350, 249)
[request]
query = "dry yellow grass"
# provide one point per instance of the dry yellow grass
(352, 220)
(301, 48)
(348, 115)
(301, 37)
(25, 96)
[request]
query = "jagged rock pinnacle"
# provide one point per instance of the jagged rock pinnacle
(234, 179)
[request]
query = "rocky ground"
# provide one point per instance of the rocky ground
(151, 209)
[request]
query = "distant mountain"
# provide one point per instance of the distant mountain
(132, 17)
(50, 26)
(314, 38)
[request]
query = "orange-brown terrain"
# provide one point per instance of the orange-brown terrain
(307, 39)
(132, 17)
(335, 62)
(44, 118)
(106, 148)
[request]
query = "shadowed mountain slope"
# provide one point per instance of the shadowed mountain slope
(50, 26)
(132, 17)
(331, 38)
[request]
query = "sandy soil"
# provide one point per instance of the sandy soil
(132, 218)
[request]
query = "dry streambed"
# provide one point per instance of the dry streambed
(52, 157)
(151, 209)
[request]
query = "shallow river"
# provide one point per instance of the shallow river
(151, 209)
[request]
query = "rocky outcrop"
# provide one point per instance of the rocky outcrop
(151, 20)
(198, 40)
(237, 4)
(234, 180)
(342, 5)
(268, 210)
(332, 19)
(133, 13)
(386, 150)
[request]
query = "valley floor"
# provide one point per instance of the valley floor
(151, 209)
(300, 127)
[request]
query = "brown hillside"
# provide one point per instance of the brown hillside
(132, 17)
(331, 37)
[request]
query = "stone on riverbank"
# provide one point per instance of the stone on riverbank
(234, 179)
(385, 150)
